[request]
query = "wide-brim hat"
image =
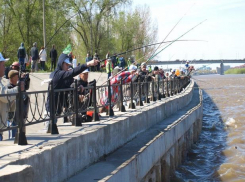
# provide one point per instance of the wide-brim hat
(2, 58)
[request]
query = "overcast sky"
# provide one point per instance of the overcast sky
(224, 29)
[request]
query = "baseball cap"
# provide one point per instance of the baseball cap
(143, 64)
(117, 68)
(12, 73)
(86, 71)
(2, 58)
(156, 68)
(132, 68)
(67, 61)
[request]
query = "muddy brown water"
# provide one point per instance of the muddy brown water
(219, 155)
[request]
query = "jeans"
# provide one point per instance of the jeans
(42, 65)
(22, 63)
(34, 65)
(53, 63)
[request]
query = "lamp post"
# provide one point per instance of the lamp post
(44, 25)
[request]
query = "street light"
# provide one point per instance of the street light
(44, 25)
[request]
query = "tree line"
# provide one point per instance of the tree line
(96, 26)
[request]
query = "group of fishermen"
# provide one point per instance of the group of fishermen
(63, 77)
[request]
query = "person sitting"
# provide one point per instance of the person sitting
(84, 95)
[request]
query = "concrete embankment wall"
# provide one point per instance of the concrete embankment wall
(159, 158)
(72, 153)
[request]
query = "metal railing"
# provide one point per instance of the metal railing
(28, 108)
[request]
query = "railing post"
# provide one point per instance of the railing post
(147, 100)
(95, 114)
(110, 110)
(76, 120)
(131, 105)
(163, 90)
(167, 88)
(178, 85)
(52, 124)
(140, 93)
(153, 91)
(158, 89)
(171, 86)
(122, 107)
(20, 136)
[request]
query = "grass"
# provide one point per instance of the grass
(235, 71)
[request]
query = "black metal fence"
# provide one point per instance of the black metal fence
(28, 108)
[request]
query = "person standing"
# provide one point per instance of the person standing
(15, 66)
(74, 62)
(13, 81)
(43, 57)
(53, 55)
(21, 55)
(4, 101)
(88, 58)
(122, 62)
(109, 67)
(34, 56)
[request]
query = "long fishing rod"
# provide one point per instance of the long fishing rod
(171, 41)
(153, 44)
(176, 40)
(167, 45)
(174, 27)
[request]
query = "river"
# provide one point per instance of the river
(219, 155)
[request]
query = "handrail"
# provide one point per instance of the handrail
(47, 106)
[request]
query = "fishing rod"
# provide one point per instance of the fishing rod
(174, 27)
(176, 40)
(167, 45)
(171, 41)
(152, 44)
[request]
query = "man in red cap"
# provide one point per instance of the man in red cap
(14, 66)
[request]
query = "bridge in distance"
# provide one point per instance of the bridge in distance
(221, 62)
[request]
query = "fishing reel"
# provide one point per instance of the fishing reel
(25, 77)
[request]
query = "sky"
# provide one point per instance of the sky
(223, 31)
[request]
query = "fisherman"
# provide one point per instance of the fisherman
(187, 67)
(63, 78)
(4, 101)
(126, 77)
(14, 66)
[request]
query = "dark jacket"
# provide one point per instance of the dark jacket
(63, 79)
(53, 55)
(34, 53)
(21, 51)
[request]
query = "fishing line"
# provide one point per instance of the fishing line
(177, 39)
(174, 26)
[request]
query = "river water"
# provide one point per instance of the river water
(219, 155)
